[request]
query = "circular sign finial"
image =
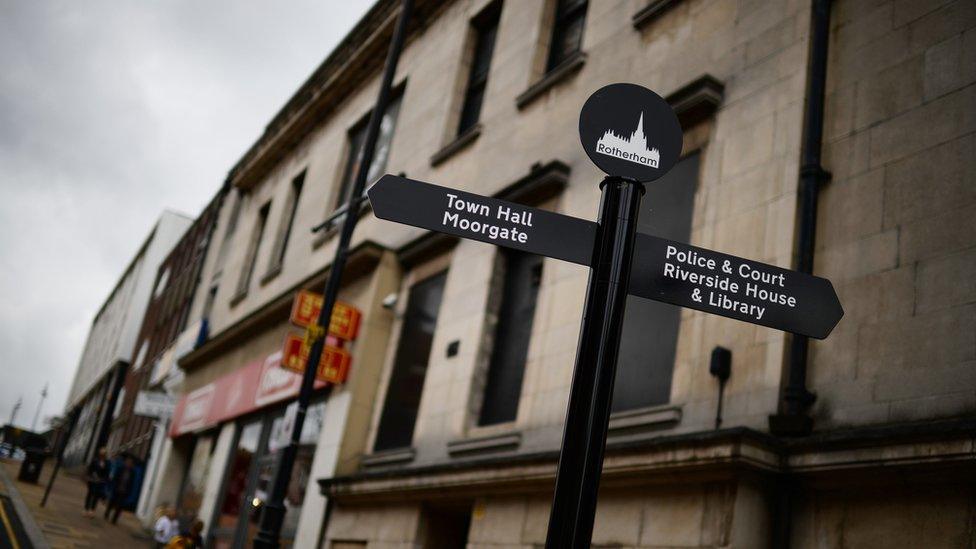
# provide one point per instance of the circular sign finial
(629, 131)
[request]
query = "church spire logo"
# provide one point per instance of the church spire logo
(633, 149)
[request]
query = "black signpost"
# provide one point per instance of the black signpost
(632, 134)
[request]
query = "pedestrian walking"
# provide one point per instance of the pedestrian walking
(167, 527)
(96, 475)
(121, 484)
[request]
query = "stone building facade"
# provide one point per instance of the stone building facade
(447, 431)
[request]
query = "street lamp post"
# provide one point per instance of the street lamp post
(40, 404)
(273, 514)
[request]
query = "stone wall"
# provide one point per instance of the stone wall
(897, 224)
(894, 515)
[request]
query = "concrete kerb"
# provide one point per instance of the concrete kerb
(31, 528)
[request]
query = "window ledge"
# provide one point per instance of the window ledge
(563, 71)
(697, 100)
(460, 143)
(653, 10)
(271, 274)
(238, 297)
(324, 236)
(642, 420)
(389, 457)
(482, 445)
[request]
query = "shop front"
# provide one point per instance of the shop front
(234, 430)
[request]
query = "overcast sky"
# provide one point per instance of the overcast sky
(109, 113)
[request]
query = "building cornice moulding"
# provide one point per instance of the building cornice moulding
(870, 454)
(362, 259)
(348, 67)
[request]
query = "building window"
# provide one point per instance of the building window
(252, 250)
(410, 364)
(141, 355)
(209, 303)
(118, 403)
(357, 139)
(284, 232)
(650, 332)
(485, 29)
(567, 31)
(233, 503)
(523, 275)
(235, 214)
(267, 459)
(161, 283)
(195, 479)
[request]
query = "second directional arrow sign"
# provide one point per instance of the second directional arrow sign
(726, 285)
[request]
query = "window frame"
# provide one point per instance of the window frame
(254, 248)
(498, 405)
(355, 144)
(485, 28)
(567, 12)
(287, 224)
(656, 353)
(379, 444)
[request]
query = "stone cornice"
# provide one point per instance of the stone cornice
(351, 64)
(707, 455)
(362, 259)
(862, 453)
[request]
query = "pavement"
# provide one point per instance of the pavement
(61, 523)
(12, 534)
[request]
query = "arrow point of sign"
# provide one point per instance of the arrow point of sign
(385, 203)
(834, 306)
(371, 191)
(384, 179)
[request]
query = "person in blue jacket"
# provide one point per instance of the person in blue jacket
(121, 486)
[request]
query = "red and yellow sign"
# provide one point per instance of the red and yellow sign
(344, 323)
(333, 366)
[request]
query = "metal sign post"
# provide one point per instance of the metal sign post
(273, 514)
(633, 135)
(588, 415)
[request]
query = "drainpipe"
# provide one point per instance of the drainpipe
(796, 398)
(792, 419)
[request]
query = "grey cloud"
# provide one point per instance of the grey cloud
(110, 112)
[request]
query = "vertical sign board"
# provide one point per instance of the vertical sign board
(632, 134)
(343, 326)
(345, 320)
(333, 366)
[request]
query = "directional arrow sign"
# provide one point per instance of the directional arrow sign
(481, 218)
(726, 285)
(663, 270)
